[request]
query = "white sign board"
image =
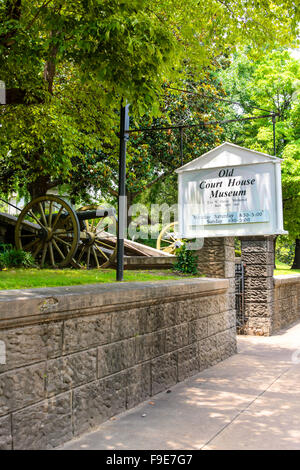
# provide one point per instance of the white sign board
(242, 198)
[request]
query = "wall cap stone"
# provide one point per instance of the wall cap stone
(286, 279)
(30, 306)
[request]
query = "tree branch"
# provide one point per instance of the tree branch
(37, 14)
(163, 175)
(13, 12)
(227, 7)
(112, 192)
(50, 66)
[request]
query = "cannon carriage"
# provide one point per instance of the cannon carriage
(58, 236)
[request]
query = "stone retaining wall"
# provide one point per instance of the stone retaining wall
(216, 259)
(76, 356)
(287, 301)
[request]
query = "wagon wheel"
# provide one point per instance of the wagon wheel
(99, 248)
(168, 239)
(48, 228)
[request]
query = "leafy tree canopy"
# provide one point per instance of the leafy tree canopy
(130, 46)
(76, 59)
(154, 155)
(271, 83)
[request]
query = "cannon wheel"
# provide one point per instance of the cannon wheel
(167, 240)
(99, 248)
(48, 228)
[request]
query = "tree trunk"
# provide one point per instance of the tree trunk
(39, 187)
(296, 263)
(50, 65)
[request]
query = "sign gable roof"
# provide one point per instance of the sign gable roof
(227, 154)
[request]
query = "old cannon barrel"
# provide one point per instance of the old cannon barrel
(95, 213)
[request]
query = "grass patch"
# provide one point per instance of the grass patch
(147, 241)
(282, 268)
(28, 278)
(21, 278)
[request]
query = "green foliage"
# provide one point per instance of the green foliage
(76, 59)
(270, 82)
(130, 47)
(43, 145)
(152, 157)
(5, 247)
(16, 258)
(291, 182)
(285, 250)
(237, 247)
(186, 261)
(147, 241)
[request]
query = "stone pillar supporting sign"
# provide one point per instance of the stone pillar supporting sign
(258, 258)
(217, 259)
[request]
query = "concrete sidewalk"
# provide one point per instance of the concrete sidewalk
(249, 401)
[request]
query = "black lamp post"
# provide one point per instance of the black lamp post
(122, 203)
(274, 133)
(2, 93)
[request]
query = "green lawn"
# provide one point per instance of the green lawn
(282, 268)
(27, 278)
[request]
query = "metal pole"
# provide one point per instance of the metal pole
(122, 204)
(181, 145)
(274, 133)
(2, 93)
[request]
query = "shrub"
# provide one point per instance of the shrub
(2, 265)
(186, 261)
(13, 258)
(5, 247)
